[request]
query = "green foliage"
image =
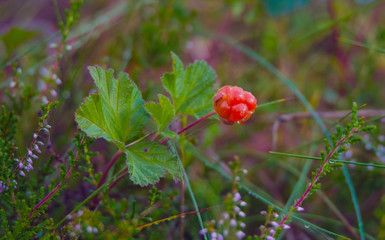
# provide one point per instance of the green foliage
(15, 37)
(162, 112)
(191, 88)
(116, 113)
(148, 161)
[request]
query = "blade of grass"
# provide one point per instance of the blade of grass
(188, 187)
(334, 160)
(364, 45)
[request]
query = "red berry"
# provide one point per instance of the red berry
(233, 104)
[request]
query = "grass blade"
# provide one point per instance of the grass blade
(189, 188)
(334, 160)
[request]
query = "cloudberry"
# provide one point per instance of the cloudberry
(233, 104)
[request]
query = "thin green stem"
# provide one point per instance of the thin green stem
(190, 190)
(330, 160)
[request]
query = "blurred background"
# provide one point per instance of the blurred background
(333, 52)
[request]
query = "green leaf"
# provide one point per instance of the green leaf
(149, 161)
(162, 112)
(170, 134)
(116, 113)
(16, 37)
(190, 89)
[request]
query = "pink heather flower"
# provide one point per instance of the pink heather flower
(34, 135)
(22, 173)
(20, 165)
(233, 222)
(240, 234)
(37, 149)
(300, 209)
(285, 226)
(242, 224)
(237, 197)
(272, 231)
(40, 143)
(225, 215)
(220, 237)
(225, 233)
(263, 212)
(214, 235)
(237, 209)
(275, 215)
(269, 238)
(203, 231)
(242, 214)
(274, 224)
(220, 222)
(30, 152)
(243, 204)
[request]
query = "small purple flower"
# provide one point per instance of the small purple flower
(243, 204)
(242, 224)
(220, 237)
(34, 135)
(274, 224)
(263, 212)
(22, 173)
(237, 197)
(237, 209)
(29, 160)
(240, 234)
(233, 222)
(2, 186)
(34, 156)
(269, 238)
(225, 215)
(275, 215)
(300, 209)
(203, 231)
(272, 231)
(20, 165)
(30, 152)
(36, 147)
(214, 235)
(285, 226)
(40, 143)
(242, 214)
(220, 222)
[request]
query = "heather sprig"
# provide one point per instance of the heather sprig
(344, 137)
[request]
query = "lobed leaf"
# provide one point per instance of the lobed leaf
(190, 89)
(162, 112)
(149, 161)
(116, 112)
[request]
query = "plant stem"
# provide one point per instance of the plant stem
(68, 174)
(191, 125)
(120, 152)
(316, 177)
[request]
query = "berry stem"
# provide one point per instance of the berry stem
(191, 125)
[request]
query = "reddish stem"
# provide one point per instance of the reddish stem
(191, 125)
(46, 198)
(315, 179)
(119, 153)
